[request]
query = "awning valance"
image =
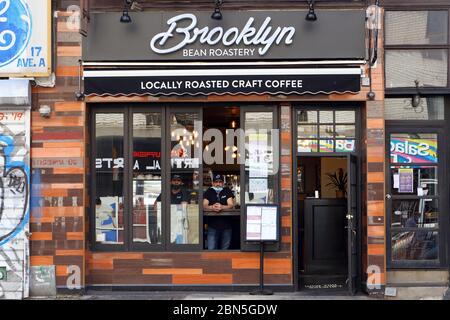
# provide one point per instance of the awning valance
(214, 81)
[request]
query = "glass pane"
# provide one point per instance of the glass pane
(347, 145)
(417, 180)
(415, 245)
(109, 169)
(414, 148)
(307, 145)
(185, 183)
(430, 108)
(306, 117)
(326, 116)
(147, 178)
(326, 131)
(345, 116)
(404, 67)
(326, 146)
(415, 213)
(260, 161)
(416, 27)
(345, 131)
(307, 131)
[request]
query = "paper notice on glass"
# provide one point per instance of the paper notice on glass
(406, 181)
(396, 180)
(269, 223)
(269, 216)
(257, 185)
(258, 169)
(269, 233)
(253, 223)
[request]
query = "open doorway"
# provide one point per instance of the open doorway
(222, 118)
(325, 188)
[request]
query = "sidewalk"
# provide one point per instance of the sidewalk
(176, 295)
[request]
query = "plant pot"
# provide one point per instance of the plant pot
(340, 194)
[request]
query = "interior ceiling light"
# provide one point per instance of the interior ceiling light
(311, 16)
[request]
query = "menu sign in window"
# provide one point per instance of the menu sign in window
(262, 223)
(406, 180)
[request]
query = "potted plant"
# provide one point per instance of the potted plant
(338, 181)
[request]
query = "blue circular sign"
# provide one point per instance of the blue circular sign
(15, 29)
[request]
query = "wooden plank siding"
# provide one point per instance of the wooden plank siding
(57, 152)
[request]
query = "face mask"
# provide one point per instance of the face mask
(218, 189)
(175, 188)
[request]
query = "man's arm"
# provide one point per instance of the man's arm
(206, 205)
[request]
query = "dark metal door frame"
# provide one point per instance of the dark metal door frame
(295, 223)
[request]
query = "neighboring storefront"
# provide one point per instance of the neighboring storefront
(416, 109)
(24, 55)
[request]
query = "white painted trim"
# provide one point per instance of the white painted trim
(215, 72)
(249, 63)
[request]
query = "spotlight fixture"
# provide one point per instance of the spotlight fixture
(416, 100)
(217, 15)
(311, 16)
(125, 18)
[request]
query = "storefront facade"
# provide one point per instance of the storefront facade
(148, 96)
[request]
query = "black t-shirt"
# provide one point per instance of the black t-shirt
(177, 198)
(218, 222)
(222, 197)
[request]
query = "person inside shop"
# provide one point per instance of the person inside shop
(217, 199)
(178, 193)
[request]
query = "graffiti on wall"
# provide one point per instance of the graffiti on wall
(14, 198)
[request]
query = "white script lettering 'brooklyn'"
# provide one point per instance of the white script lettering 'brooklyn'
(265, 36)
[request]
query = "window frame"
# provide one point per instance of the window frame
(166, 109)
(129, 205)
(94, 245)
(418, 126)
(412, 90)
(334, 106)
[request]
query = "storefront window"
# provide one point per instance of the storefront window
(260, 162)
(185, 187)
(326, 131)
(414, 203)
(405, 67)
(430, 108)
(147, 186)
(416, 27)
(109, 178)
(417, 48)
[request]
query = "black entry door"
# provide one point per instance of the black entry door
(325, 256)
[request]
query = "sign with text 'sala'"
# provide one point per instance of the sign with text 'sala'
(25, 38)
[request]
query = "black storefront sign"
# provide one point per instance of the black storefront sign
(221, 85)
(243, 35)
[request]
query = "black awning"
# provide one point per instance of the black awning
(222, 81)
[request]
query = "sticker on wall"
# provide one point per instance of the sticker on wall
(25, 37)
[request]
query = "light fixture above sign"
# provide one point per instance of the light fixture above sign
(311, 16)
(217, 14)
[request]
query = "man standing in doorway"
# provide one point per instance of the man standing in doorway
(217, 199)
